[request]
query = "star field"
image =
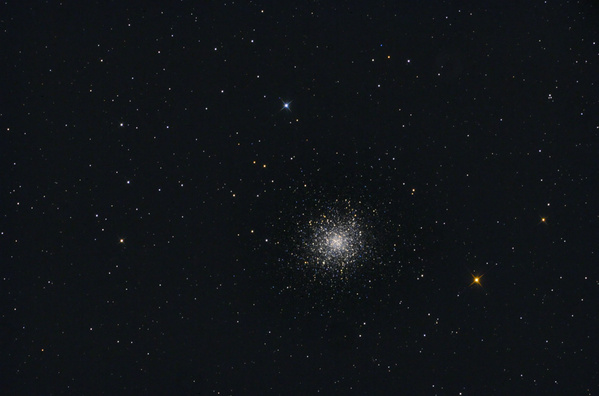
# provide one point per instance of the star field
(250, 198)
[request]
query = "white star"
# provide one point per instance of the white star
(286, 106)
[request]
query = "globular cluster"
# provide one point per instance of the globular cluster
(337, 242)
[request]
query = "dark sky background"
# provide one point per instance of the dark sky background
(160, 202)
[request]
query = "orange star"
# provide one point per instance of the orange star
(476, 280)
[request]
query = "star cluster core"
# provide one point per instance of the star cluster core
(335, 242)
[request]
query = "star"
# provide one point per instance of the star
(286, 105)
(476, 280)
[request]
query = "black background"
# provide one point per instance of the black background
(162, 124)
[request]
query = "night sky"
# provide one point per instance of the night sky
(292, 198)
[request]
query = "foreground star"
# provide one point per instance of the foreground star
(286, 106)
(476, 280)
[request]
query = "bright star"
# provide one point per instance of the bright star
(476, 280)
(286, 106)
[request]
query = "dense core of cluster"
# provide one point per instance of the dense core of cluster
(335, 242)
